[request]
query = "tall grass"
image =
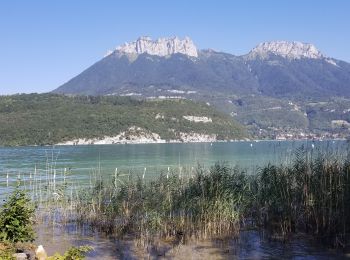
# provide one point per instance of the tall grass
(311, 194)
(210, 203)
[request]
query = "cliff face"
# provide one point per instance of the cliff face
(160, 47)
(290, 50)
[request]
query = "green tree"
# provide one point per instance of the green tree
(16, 218)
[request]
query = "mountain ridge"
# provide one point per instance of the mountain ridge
(166, 46)
(276, 72)
(271, 68)
(159, 47)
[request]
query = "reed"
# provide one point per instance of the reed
(311, 194)
(173, 206)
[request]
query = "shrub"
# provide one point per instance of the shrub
(16, 218)
(73, 253)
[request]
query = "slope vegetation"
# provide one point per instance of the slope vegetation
(45, 119)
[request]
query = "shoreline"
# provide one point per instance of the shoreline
(69, 143)
(179, 142)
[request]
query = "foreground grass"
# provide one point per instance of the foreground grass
(309, 195)
(182, 207)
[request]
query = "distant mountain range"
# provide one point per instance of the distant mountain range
(276, 72)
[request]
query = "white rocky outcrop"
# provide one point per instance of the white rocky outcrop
(290, 50)
(197, 138)
(197, 119)
(340, 123)
(134, 135)
(138, 135)
(159, 116)
(331, 61)
(159, 47)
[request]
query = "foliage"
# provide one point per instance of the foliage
(16, 218)
(43, 119)
(266, 117)
(73, 253)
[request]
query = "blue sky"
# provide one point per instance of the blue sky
(45, 43)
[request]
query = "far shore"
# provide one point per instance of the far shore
(70, 143)
(188, 142)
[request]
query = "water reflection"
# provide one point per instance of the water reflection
(249, 245)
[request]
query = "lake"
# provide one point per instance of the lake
(34, 164)
(148, 159)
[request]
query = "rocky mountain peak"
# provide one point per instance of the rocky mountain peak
(290, 50)
(159, 47)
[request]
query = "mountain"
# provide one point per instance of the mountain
(47, 119)
(294, 69)
(153, 68)
(277, 69)
(273, 75)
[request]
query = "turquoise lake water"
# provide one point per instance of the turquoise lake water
(82, 161)
(34, 165)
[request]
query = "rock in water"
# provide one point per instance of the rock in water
(40, 253)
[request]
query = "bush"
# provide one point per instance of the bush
(16, 218)
(74, 253)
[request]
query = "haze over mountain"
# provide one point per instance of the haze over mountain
(175, 68)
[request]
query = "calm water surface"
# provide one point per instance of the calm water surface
(81, 161)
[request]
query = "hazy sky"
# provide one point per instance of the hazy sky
(45, 43)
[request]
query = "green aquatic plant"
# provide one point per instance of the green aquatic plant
(73, 253)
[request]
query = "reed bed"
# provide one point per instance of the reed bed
(173, 206)
(310, 194)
